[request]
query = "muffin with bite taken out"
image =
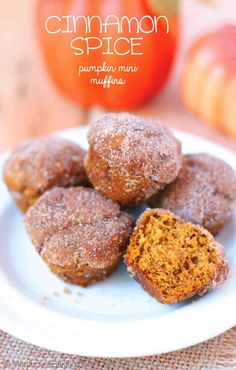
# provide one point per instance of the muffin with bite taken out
(173, 259)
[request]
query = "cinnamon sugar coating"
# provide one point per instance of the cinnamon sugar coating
(41, 164)
(204, 192)
(130, 158)
(173, 259)
(79, 233)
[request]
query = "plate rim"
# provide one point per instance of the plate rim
(124, 350)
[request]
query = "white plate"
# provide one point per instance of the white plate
(114, 318)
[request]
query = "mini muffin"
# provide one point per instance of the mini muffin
(79, 233)
(131, 158)
(204, 192)
(41, 164)
(174, 260)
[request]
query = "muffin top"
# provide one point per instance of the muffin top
(137, 146)
(78, 227)
(203, 193)
(42, 163)
(174, 259)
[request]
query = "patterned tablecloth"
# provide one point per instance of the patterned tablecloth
(217, 353)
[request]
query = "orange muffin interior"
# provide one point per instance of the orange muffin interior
(173, 256)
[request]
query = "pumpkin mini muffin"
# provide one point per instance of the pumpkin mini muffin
(204, 192)
(174, 260)
(79, 233)
(131, 158)
(41, 164)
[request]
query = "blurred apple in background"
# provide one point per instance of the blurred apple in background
(154, 65)
(31, 105)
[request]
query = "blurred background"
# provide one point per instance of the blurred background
(31, 105)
